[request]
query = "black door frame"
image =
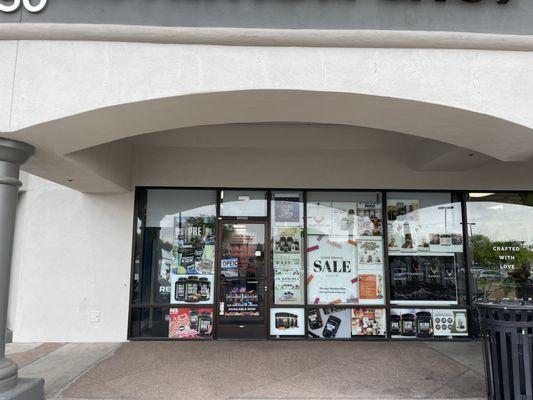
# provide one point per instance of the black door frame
(266, 277)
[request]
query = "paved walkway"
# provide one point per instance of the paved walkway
(260, 370)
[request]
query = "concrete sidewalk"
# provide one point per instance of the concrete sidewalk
(261, 370)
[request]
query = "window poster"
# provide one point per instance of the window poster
(193, 261)
(192, 289)
(423, 279)
(288, 209)
(319, 216)
(404, 210)
(369, 322)
(163, 290)
(288, 285)
(287, 265)
(450, 322)
(427, 323)
(241, 300)
(411, 323)
(369, 219)
(329, 323)
(332, 270)
(190, 323)
(287, 240)
(429, 230)
(287, 321)
(343, 218)
(370, 253)
(370, 270)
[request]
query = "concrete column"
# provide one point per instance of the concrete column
(12, 155)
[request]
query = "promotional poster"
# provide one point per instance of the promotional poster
(428, 280)
(369, 219)
(450, 322)
(370, 253)
(287, 240)
(287, 321)
(288, 288)
(343, 217)
(412, 323)
(319, 218)
(329, 323)
(190, 323)
(369, 322)
(193, 261)
(405, 210)
(288, 210)
(287, 265)
(332, 270)
(192, 289)
(426, 323)
(371, 287)
(240, 300)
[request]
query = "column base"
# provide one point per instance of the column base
(26, 389)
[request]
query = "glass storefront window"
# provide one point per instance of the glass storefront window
(287, 248)
(425, 246)
(243, 203)
(180, 228)
(344, 248)
(500, 227)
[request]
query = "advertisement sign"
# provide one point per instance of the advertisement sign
(287, 240)
(287, 321)
(329, 323)
(319, 218)
(288, 285)
(288, 210)
(190, 323)
(411, 323)
(287, 265)
(450, 322)
(423, 279)
(369, 219)
(192, 289)
(369, 322)
(240, 300)
(332, 274)
(426, 323)
(343, 218)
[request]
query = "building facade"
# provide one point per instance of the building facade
(265, 169)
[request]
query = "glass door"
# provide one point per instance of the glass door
(242, 290)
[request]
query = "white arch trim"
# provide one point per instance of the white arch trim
(495, 137)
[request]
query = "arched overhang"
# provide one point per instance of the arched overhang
(59, 142)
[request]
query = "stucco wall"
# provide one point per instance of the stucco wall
(72, 258)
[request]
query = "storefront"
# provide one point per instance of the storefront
(322, 264)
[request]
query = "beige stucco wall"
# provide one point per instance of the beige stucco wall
(91, 93)
(72, 259)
